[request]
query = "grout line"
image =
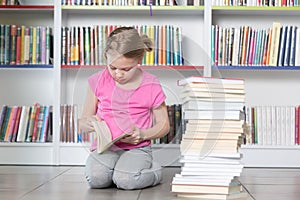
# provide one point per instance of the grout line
(139, 195)
(24, 195)
(247, 191)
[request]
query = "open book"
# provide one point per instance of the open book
(103, 135)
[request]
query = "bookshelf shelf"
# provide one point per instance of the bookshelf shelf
(167, 146)
(163, 67)
(178, 10)
(26, 66)
(26, 144)
(75, 145)
(263, 8)
(254, 10)
(258, 68)
(27, 153)
(270, 156)
(294, 147)
(24, 8)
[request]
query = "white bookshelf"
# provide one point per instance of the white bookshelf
(74, 81)
(27, 154)
(270, 156)
(25, 85)
(269, 86)
(68, 86)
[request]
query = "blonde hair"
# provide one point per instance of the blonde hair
(127, 42)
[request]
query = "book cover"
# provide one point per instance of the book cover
(11, 123)
(44, 124)
(2, 116)
(16, 125)
(5, 123)
(171, 115)
(24, 118)
(35, 123)
(104, 137)
(275, 41)
(177, 123)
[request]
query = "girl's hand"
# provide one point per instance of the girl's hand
(86, 125)
(135, 136)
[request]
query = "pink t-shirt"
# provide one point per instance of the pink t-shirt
(121, 109)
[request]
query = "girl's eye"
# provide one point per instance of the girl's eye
(112, 68)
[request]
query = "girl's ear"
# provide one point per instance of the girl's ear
(140, 59)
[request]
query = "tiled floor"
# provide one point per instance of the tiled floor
(64, 183)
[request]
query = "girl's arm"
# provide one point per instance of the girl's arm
(161, 124)
(160, 128)
(89, 112)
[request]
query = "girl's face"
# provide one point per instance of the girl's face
(122, 69)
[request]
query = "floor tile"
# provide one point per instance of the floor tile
(63, 183)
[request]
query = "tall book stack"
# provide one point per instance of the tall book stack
(211, 163)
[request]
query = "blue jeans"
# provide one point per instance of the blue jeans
(132, 169)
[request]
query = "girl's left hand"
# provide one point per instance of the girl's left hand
(135, 136)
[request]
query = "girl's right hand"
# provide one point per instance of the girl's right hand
(86, 125)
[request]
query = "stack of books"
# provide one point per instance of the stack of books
(211, 162)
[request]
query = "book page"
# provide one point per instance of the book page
(104, 137)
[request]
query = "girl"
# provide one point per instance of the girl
(129, 100)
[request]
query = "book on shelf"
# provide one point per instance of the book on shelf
(171, 134)
(35, 123)
(178, 123)
(282, 44)
(104, 137)
(30, 125)
(10, 125)
(5, 122)
(21, 135)
(45, 124)
(83, 45)
(16, 124)
(273, 125)
(18, 121)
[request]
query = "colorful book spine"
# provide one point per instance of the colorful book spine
(5, 123)
(7, 44)
(16, 124)
(13, 44)
(87, 55)
(22, 54)
(34, 45)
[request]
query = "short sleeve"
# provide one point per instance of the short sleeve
(93, 81)
(158, 95)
